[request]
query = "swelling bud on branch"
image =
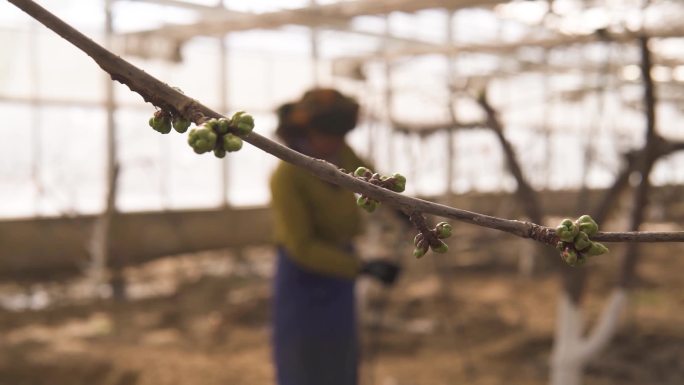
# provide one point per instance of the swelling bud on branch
(586, 223)
(160, 122)
(440, 247)
(222, 126)
(398, 183)
(180, 124)
(232, 143)
(443, 230)
(242, 122)
(567, 230)
(202, 140)
(575, 244)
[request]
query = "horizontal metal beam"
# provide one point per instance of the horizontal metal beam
(508, 48)
(164, 41)
(52, 248)
(316, 15)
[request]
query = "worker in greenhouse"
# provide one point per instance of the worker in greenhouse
(314, 320)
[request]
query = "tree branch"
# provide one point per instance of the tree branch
(526, 194)
(163, 96)
(646, 160)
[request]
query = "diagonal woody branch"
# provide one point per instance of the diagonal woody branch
(525, 193)
(162, 95)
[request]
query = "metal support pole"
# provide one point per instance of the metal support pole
(451, 82)
(314, 50)
(388, 95)
(102, 231)
(36, 104)
(224, 107)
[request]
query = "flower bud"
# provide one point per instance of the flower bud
(219, 152)
(399, 183)
(581, 241)
(202, 140)
(361, 172)
(208, 137)
(180, 124)
(232, 143)
(165, 125)
(419, 252)
(201, 146)
(243, 122)
(222, 126)
(192, 136)
(443, 230)
(212, 124)
(160, 122)
(567, 230)
(440, 248)
(596, 249)
(587, 224)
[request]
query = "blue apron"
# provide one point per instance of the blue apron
(314, 327)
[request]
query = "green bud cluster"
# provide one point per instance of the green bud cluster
(432, 240)
(217, 135)
(575, 244)
(396, 183)
(226, 134)
(242, 122)
(202, 139)
(161, 122)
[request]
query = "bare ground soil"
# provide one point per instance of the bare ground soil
(468, 318)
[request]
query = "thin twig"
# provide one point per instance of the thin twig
(163, 96)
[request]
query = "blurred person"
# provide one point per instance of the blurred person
(314, 320)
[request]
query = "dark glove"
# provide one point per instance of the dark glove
(384, 271)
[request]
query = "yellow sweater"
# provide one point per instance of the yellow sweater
(315, 220)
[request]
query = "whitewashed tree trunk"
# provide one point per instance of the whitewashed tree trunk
(98, 245)
(572, 351)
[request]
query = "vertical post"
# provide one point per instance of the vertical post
(451, 81)
(548, 134)
(109, 101)
(647, 158)
(36, 105)
(314, 49)
(388, 95)
(224, 107)
(102, 233)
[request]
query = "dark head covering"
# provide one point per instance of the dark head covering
(323, 110)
